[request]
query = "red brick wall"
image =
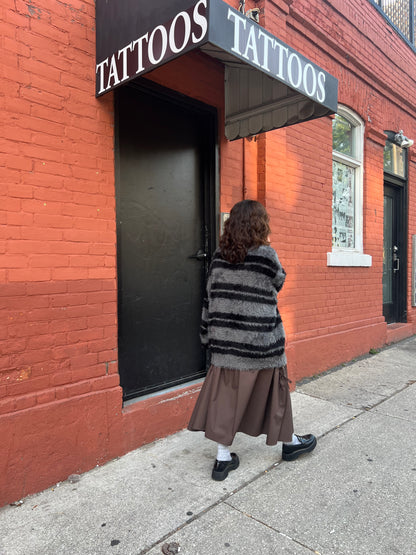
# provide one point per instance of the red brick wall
(57, 205)
(60, 400)
(60, 403)
(333, 314)
(58, 246)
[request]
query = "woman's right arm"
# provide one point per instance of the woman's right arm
(280, 275)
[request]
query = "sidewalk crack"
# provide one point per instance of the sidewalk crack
(272, 528)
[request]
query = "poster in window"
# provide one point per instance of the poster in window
(343, 206)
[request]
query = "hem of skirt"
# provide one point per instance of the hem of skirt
(221, 440)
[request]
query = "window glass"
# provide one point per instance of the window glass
(347, 191)
(394, 159)
(343, 205)
(342, 135)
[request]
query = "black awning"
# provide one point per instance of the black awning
(268, 84)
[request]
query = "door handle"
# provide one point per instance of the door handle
(396, 259)
(200, 255)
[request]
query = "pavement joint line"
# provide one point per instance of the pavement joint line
(227, 496)
(387, 398)
(271, 527)
(364, 410)
(222, 499)
(189, 521)
(396, 417)
(361, 408)
(353, 361)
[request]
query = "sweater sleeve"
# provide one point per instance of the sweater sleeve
(280, 275)
(203, 331)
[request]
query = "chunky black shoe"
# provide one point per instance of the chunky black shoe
(222, 468)
(292, 452)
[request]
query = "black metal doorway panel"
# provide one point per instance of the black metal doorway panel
(165, 191)
(394, 254)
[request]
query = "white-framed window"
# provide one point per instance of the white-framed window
(347, 190)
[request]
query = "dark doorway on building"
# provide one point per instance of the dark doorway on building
(166, 207)
(394, 251)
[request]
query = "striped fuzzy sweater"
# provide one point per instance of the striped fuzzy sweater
(241, 324)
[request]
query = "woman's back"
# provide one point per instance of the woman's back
(240, 321)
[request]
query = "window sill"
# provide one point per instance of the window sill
(345, 258)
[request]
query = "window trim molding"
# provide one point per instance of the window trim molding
(349, 258)
(354, 256)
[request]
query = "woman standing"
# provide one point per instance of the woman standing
(246, 388)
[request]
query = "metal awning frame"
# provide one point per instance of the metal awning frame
(267, 83)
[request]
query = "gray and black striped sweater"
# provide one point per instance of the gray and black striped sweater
(241, 324)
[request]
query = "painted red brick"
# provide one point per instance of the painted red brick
(58, 291)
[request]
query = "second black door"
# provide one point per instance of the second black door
(394, 255)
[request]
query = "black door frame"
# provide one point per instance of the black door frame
(210, 164)
(400, 187)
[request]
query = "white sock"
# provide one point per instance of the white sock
(223, 453)
(294, 441)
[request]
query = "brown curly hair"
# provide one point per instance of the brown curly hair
(247, 227)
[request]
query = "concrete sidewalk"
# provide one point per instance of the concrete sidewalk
(355, 494)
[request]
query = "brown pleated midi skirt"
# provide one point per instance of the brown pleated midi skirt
(254, 402)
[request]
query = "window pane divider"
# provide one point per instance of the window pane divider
(345, 159)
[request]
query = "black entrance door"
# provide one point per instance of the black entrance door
(394, 255)
(164, 216)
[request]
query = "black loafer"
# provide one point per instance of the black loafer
(292, 452)
(222, 468)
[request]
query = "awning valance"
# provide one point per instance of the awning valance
(267, 83)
